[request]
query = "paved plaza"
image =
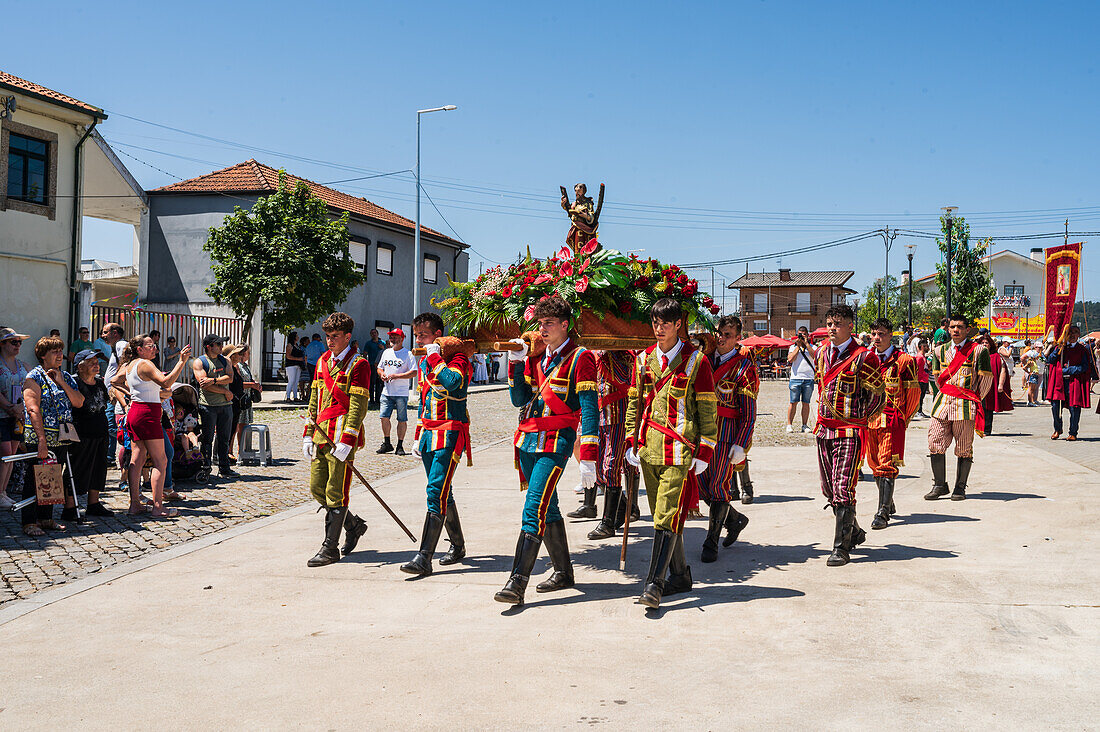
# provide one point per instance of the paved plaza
(968, 614)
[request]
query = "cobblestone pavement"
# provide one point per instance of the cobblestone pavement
(28, 565)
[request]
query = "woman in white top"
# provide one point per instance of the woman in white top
(144, 381)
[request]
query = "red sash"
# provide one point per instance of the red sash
(341, 401)
(560, 417)
(645, 421)
(463, 429)
(839, 423)
(720, 373)
(617, 394)
(954, 390)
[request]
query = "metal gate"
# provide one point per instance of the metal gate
(186, 328)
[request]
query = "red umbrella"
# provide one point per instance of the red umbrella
(766, 341)
(819, 333)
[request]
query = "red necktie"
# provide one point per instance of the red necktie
(664, 363)
(836, 353)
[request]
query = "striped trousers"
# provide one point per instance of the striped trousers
(941, 432)
(839, 460)
(612, 450)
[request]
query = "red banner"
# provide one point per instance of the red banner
(1063, 263)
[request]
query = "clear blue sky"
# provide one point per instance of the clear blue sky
(853, 115)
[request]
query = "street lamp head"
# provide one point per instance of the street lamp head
(949, 211)
(447, 108)
(450, 108)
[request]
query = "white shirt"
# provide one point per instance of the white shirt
(112, 365)
(396, 362)
(842, 348)
(671, 354)
(550, 354)
(343, 354)
(722, 358)
(801, 367)
(886, 353)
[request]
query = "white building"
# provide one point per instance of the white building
(54, 170)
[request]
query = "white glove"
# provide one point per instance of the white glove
(632, 457)
(416, 451)
(341, 452)
(737, 454)
(699, 466)
(308, 448)
(588, 473)
(433, 348)
(518, 355)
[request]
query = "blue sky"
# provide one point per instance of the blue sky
(722, 130)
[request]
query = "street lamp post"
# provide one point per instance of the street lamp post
(909, 253)
(888, 240)
(417, 263)
(948, 211)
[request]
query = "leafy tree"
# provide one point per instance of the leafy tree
(286, 251)
(870, 304)
(971, 284)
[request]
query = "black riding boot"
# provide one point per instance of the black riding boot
(842, 536)
(735, 522)
(421, 564)
(962, 473)
(457, 552)
(679, 572)
(663, 543)
(588, 505)
(527, 551)
(939, 477)
(746, 484)
(557, 546)
(606, 527)
(354, 528)
(629, 496)
(885, 502)
(718, 512)
(329, 551)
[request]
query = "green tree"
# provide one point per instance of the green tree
(971, 284)
(286, 251)
(870, 304)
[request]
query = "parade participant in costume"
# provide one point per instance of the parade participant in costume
(963, 376)
(736, 385)
(850, 394)
(443, 432)
(556, 393)
(1071, 370)
(671, 431)
(886, 431)
(337, 405)
(612, 385)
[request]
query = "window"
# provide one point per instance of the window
(760, 302)
(358, 249)
(385, 259)
(802, 302)
(801, 324)
(383, 326)
(760, 326)
(431, 268)
(1014, 290)
(28, 162)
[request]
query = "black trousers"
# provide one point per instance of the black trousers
(216, 421)
(89, 458)
(375, 385)
(35, 513)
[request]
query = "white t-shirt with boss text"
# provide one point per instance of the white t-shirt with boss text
(396, 362)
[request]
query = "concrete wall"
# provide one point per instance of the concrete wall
(35, 247)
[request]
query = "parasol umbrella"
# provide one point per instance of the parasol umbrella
(1095, 335)
(819, 333)
(765, 341)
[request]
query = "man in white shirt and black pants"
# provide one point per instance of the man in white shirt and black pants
(395, 368)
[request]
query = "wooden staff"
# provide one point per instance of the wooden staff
(630, 483)
(363, 480)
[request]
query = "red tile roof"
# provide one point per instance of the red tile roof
(254, 177)
(29, 87)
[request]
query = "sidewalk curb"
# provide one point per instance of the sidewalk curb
(18, 608)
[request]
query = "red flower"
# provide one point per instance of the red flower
(682, 279)
(529, 313)
(625, 307)
(585, 265)
(708, 301)
(566, 269)
(490, 293)
(714, 309)
(588, 248)
(641, 282)
(540, 279)
(582, 284)
(564, 254)
(690, 289)
(507, 291)
(528, 280)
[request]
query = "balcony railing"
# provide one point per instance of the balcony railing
(794, 309)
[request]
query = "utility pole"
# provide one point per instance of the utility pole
(910, 247)
(888, 240)
(948, 211)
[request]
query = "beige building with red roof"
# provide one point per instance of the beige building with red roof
(174, 271)
(55, 169)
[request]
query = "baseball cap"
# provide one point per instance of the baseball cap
(9, 334)
(212, 339)
(396, 332)
(84, 356)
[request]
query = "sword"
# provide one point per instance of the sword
(363, 480)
